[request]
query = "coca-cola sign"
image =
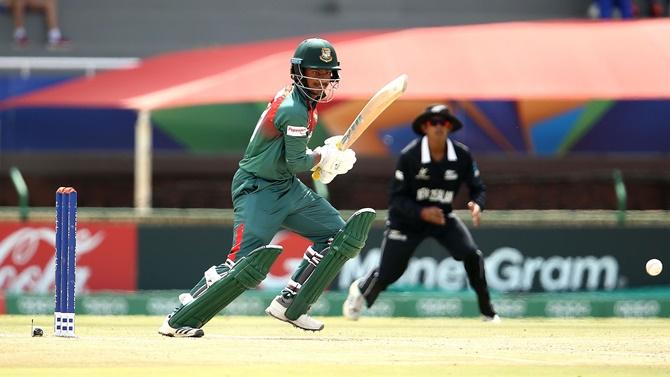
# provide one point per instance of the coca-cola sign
(106, 257)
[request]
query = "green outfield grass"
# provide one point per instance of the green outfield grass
(261, 346)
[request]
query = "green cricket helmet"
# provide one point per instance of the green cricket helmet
(315, 53)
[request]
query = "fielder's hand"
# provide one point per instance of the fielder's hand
(476, 212)
(433, 215)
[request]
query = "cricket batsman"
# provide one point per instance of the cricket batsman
(267, 196)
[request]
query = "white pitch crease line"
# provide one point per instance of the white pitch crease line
(520, 360)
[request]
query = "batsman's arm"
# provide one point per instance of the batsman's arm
(295, 134)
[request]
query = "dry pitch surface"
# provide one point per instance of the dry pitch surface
(261, 346)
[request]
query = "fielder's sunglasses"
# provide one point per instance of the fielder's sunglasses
(439, 122)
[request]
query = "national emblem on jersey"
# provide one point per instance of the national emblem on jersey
(326, 56)
(423, 174)
(450, 175)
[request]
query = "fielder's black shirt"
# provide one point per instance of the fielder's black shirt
(420, 182)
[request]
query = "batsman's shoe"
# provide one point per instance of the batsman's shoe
(353, 305)
(305, 322)
(180, 332)
(492, 319)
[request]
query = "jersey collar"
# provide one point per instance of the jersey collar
(425, 151)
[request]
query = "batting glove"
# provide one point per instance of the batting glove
(334, 160)
(326, 177)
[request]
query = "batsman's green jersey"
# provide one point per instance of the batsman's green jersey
(277, 149)
(267, 196)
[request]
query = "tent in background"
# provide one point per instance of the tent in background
(527, 61)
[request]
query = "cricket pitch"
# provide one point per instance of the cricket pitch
(261, 346)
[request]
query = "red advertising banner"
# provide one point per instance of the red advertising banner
(282, 269)
(106, 257)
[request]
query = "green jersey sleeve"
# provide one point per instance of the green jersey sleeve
(294, 126)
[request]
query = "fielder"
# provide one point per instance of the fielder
(429, 173)
(268, 196)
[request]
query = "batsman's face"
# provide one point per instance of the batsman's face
(318, 79)
(319, 83)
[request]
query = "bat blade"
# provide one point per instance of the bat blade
(371, 111)
(379, 102)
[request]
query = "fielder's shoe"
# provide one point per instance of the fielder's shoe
(305, 322)
(353, 305)
(181, 332)
(492, 319)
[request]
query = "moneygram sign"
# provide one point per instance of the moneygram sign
(508, 269)
(532, 259)
(106, 257)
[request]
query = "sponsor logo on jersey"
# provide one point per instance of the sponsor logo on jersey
(297, 131)
(434, 195)
(423, 174)
(450, 175)
(326, 55)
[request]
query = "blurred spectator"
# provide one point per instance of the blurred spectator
(654, 8)
(604, 9)
(592, 11)
(55, 39)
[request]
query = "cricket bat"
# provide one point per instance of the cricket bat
(375, 106)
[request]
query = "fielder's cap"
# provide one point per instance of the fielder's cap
(438, 112)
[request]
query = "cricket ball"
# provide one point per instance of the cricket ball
(654, 267)
(38, 331)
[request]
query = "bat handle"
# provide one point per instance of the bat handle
(316, 174)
